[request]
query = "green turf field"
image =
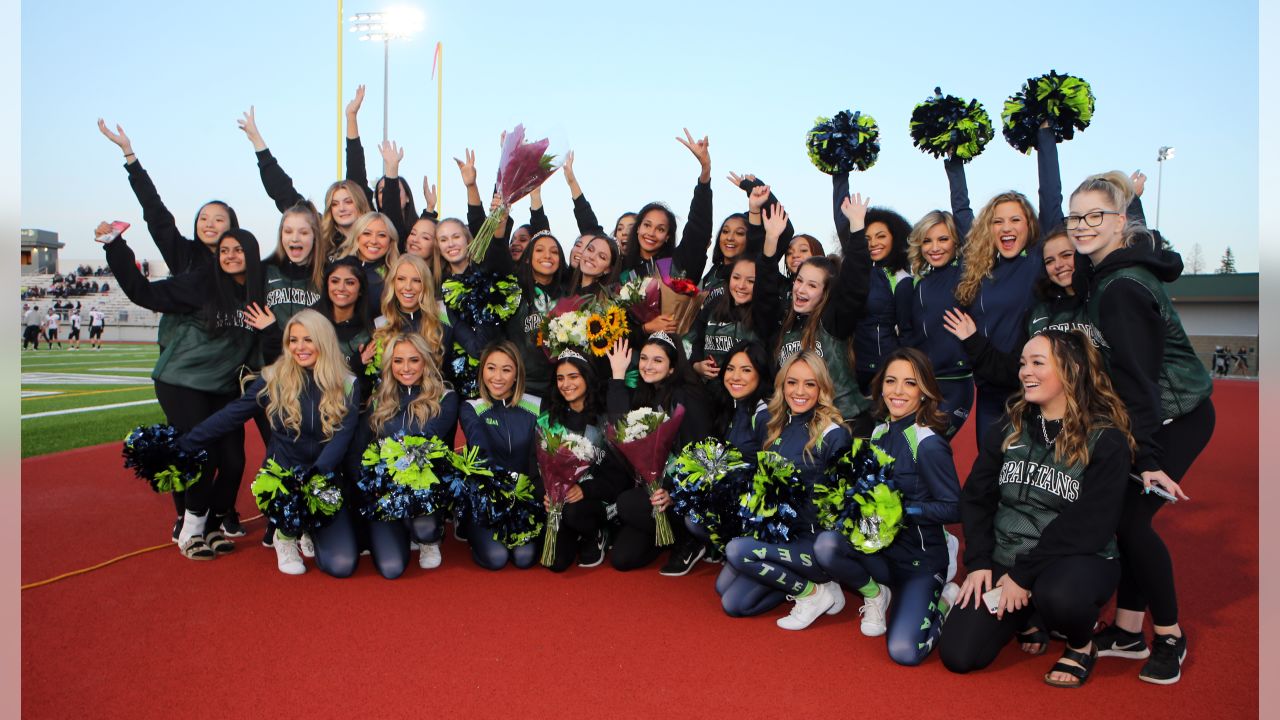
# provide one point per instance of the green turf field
(91, 381)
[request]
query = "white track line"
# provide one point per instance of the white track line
(70, 411)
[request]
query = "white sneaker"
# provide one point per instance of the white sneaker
(837, 594)
(413, 544)
(287, 557)
(953, 550)
(429, 556)
(807, 609)
(307, 547)
(872, 611)
(950, 594)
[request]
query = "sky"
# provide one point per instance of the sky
(617, 84)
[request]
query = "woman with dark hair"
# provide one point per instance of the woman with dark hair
(800, 248)
(345, 305)
(665, 382)
(905, 579)
(1040, 509)
(204, 349)
(543, 275)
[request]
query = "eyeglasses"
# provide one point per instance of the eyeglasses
(1092, 219)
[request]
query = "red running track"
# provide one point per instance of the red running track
(158, 636)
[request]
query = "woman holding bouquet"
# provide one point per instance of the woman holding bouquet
(502, 423)
(1044, 540)
(411, 400)
(906, 577)
(804, 427)
(543, 276)
(666, 381)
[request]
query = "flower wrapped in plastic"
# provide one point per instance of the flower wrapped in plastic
(482, 298)
(563, 458)
(770, 507)
(644, 437)
(1066, 102)
(680, 296)
(152, 452)
(859, 498)
(945, 125)
(576, 324)
(297, 501)
(844, 143)
(708, 478)
(522, 167)
(502, 501)
(642, 297)
(405, 476)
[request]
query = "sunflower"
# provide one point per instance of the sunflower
(598, 335)
(616, 318)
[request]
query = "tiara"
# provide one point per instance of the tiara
(569, 353)
(661, 336)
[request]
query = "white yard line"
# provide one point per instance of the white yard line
(70, 411)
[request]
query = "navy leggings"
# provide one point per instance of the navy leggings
(389, 541)
(957, 399)
(493, 555)
(336, 552)
(989, 410)
(775, 571)
(914, 618)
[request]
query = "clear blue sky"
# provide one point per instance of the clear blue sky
(617, 86)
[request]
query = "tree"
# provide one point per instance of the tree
(1196, 264)
(1228, 266)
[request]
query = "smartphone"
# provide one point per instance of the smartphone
(1155, 489)
(117, 229)
(992, 599)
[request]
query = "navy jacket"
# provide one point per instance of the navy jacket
(925, 473)
(441, 426)
(507, 434)
(932, 295)
(810, 469)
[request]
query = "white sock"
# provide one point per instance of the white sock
(192, 525)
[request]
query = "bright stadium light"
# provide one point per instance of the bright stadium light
(394, 23)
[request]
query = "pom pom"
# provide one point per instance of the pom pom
(500, 500)
(462, 372)
(768, 508)
(708, 479)
(482, 298)
(1065, 101)
(295, 500)
(404, 477)
(844, 143)
(943, 125)
(152, 453)
(859, 498)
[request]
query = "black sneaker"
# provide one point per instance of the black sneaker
(177, 528)
(1165, 665)
(714, 555)
(268, 538)
(231, 526)
(1112, 641)
(592, 552)
(683, 557)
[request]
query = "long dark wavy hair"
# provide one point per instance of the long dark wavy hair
(899, 230)
(557, 409)
(662, 394)
(762, 361)
(632, 259)
(228, 298)
(361, 308)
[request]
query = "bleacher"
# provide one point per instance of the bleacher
(119, 310)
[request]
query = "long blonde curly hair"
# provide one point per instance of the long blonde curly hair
(980, 249)
(429, 326)
(431, 388)
(824, 411)
(328, 226)
(286, 379)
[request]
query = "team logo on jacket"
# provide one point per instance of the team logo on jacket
(1038, 475)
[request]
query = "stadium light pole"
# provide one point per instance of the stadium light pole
(394, 23)
(1164, 153)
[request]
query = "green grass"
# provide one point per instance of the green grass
(66, 432)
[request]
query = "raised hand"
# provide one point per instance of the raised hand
(569, 177)
(391, 157)
(1139, 181)
(258, 317)
(368, 351)
(701, 149)
(758, 196)
(250, 127)
(854, 208)
(428, 194)
(353, 107)
(959, 323)
(118, 137)
(619, 358)
(775, 221)
(535, 198)
(467, 169)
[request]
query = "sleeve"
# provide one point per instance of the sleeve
(176, 250)
(788, 232)
(1135, 211)
(171, 295)
(586, 217)
(538, 221)
(840, 191)
(698, 334)
(848, 300)
(336, 447)
(445, 424)
(393, 209)
(617, 399)
(978, 502)
(902, 306)
(1130, 321)
(472, 427)
(357, 171)
(1050, 181)
(471, 339)
(937, 470)
(271, 342)
(992, 365)
(691, 254)
(1086, 525)
(475, 218)
(766, 302)
(232, 415)
(276, 181)
(960, 210)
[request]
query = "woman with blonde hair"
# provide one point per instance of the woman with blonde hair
(800, 423)
(312, 403)
(1166, 389)
(1040, 512)
(373, 241)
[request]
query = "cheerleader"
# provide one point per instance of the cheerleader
(345, 304)
(1044, 540)
(1166, 389)
(312, 402)
(665, 382)
(373, 241)
(294, 273)
(543, 276)
(800, 248)
(906, 578)
(574, 405)
(502, 422)
(411, 400)
(803, 425)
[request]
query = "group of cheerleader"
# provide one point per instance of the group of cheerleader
(1090, 404)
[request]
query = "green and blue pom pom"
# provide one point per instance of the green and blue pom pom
(945, 125)
(151, 451)
(844, 143)
(404, 477)
(769, 509)
(859, 498)
(1065, 101)
(708, 478)
(297, 501)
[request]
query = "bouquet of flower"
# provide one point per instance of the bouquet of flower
(563, 458)
(583, 326)
(943, 125)
(860, 499)
(770, 505)
(482, 297)
(297, 501)
(644, 437)
(642, 297)
(500, 500)
(522, 167)
(679, 296)
(844, 143)
(152, 452)
(405, 476)
(1065, 101)
(706, 473)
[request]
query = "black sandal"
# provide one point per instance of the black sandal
(1079, 672)
(197, 549)
(1034, 636)
(218, 542)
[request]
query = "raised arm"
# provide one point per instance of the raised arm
(179, 294)
(849, 296)
(392, 203)
(960, 210)
(538, 221)
(582, 212)
(749, 184)
(691, 254)
(275, 180)
(357, 171)
(1050, 180)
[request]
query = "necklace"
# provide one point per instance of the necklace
(1044, 430)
